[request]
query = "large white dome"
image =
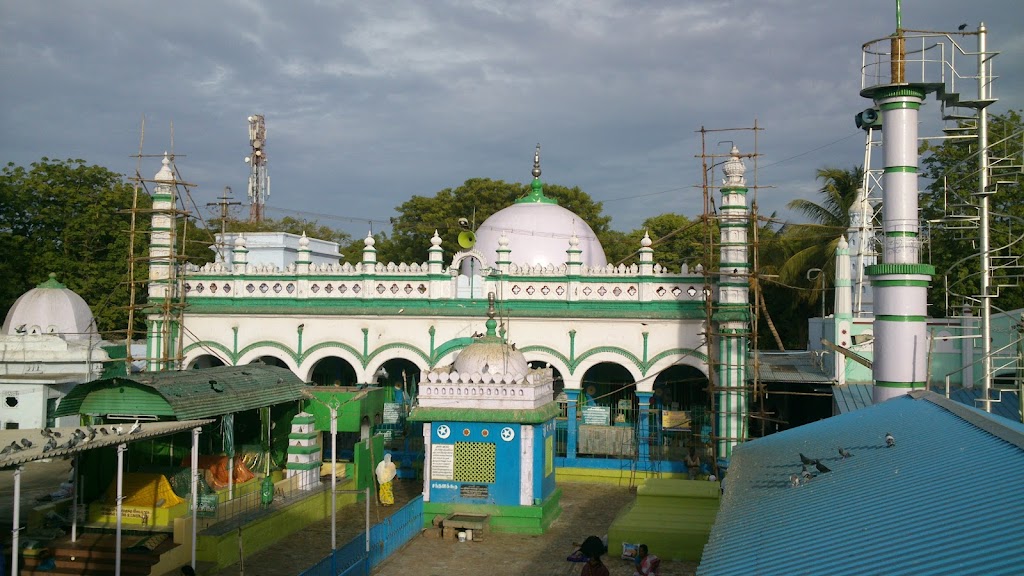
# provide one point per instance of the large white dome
(51, 308)
(538, 233)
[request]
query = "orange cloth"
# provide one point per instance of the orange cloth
(217, 470)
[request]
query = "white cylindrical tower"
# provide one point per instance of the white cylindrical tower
(842, 319)
(732, 310)
(900, 283)
(160, 329)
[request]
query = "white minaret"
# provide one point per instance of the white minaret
(732, 310)
(843, 309)
(900, 282)
(862, 253)
(160, 332)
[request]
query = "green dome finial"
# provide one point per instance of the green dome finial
(51, 282)
(536, 187)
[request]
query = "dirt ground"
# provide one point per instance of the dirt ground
(586, 509)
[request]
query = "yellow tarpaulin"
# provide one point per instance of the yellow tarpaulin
(144, 490)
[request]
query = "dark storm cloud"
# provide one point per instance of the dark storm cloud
(368, 103)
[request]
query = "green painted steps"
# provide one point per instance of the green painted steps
(673, 517)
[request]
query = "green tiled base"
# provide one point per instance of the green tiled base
(509, 519)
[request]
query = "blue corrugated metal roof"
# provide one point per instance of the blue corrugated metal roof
(800, 366)
(954, 473)
(850, 397)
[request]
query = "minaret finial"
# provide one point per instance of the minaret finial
(536, 193)
(536, 162)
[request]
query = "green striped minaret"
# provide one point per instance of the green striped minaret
(732, 313)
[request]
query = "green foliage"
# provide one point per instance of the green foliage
(951, 198)
(68, 218)
(475, 200)
(813, 244)
(676, 239)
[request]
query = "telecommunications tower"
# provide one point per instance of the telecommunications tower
(259, 180)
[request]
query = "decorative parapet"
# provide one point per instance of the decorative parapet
(444, 388)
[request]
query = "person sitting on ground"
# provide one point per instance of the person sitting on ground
(692, 464)
(646, 564)
(593, 547)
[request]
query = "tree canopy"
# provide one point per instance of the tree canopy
(950, 206)
(812, 245)
(67, 217)
(475, 200)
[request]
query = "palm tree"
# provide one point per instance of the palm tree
(812, 245)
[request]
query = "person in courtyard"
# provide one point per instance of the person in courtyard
(593, 547)
(386, 472)
(647, 564)
(692, 464)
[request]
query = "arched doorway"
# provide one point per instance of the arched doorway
(205, 361)
(609, 385)
(400, 378)
(682, 414)
(333, 371)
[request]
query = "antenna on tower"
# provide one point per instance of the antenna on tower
(259, 180)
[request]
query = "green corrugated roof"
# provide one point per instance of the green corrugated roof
(194, 394)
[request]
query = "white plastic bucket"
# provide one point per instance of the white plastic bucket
(462, 536)
(469, 535)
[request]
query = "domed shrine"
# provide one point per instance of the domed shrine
(48, 344)
(51, 308)
(488, 407)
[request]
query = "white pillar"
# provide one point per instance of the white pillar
(121, 449)
(900, 282)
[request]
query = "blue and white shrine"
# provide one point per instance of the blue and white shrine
(488, 436)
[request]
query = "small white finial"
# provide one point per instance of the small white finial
(734, 169)
(304, 241)
(435, 240)
(646, 240)
(574, 241)
(369, 242)
(165, 174)
(239, 241)
(503, 239)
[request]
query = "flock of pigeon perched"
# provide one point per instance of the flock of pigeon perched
(806, 475)
(77, 437)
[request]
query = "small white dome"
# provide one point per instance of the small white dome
(491, 357)
(51, 308)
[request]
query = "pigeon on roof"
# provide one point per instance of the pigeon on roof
(889, 440)
(844, 453)
(822, 468)
(806, 461)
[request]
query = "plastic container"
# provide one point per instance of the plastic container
(469, 535)
(462, 536)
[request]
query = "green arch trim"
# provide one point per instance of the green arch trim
(612, 349)
(268, 344)
(322, 345)
(551, 351)
(214, 345)
(673, 351)
(401, 346)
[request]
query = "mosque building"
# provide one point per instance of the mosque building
(611, 335)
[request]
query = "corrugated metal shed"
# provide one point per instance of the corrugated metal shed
(954, 473)
(789, 367)
(190, 394)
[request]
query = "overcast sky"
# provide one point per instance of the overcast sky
(368, 103)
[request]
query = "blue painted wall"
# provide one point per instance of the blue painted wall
(505, 488)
